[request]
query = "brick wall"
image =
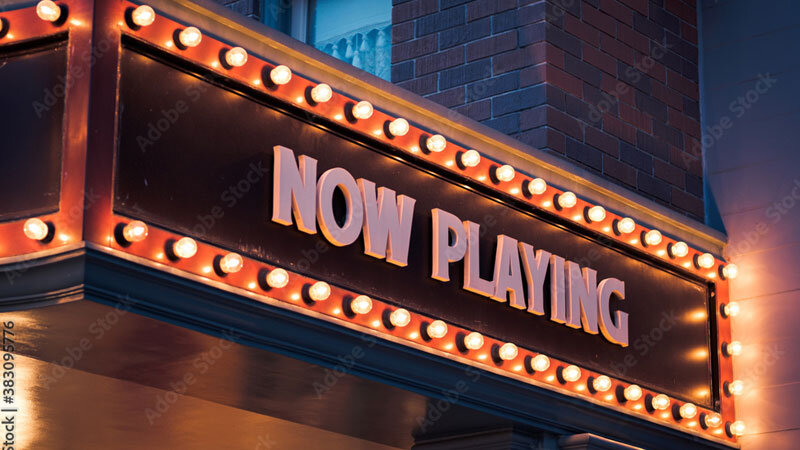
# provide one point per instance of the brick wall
(609, 84)
(249, 8)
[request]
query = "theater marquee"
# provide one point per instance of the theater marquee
(232, 168)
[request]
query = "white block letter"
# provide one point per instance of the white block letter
(508, 273)
(582, 295)
(558, 307)
(387, 223)
(472, 263)
(444, 252)
(294, 190)
(535, 272)
(616, 329)
(349, 231)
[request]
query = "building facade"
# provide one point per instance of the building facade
(423, 224)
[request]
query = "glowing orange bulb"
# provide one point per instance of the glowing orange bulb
(48, 10)
(633, 393)
(505, 173)
(713, 420)
(363, 110)
(688, 410)
(732, 309)
(231, 263)
(705, 261)
(473, 341)
(679, 249)
(730, 271)
(540, 363)
(399, 127)
(596, 213)
(277, 278)
(36, 229)
(567, 199)
(537, 186)
(236, 57)
(471, 158)
(660, 402)
(436, 143)
(734, 348)
(602, 383)
(361, 304)
(653, 237)
(626, 225)
(143, 16)
(737, 428)
(400, 317)
(321, 93)
(508, 351)
(135, 231)
(184, 247)
(319, 291)
(571, 373)
(437, 329)
(280, 75)
(190, 37)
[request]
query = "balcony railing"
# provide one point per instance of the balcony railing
(368, 48)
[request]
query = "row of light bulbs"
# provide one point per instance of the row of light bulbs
(144, 15)
(186, 247)
(319, 291)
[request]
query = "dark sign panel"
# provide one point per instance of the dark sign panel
(198, 158)
(34, 78)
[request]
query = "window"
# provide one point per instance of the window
(355, 31)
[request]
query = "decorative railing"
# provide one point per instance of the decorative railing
(368, 48)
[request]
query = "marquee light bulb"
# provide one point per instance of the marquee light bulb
(660, 402)
(36, 229)
(363, 110)
(190, 37)
(508, 351)
(361, 304)
(633, 393)
(319, 291)
(473, 341)
(143, 16)
(184, 247)
(601, 383)
(736, 387)
(321, 93)
(626, 225)
(48, 10)
(567, 199)
(280, 75)
(134, 231)
(737, 428)
(505, 173)
(571, 373)
(537, 186)
(732, 309)
(596, 213)
(436, 143)
(278, 278)
(653, 237)
(400, 317)
(437, 329)
(713, 420)
(399, 127)
(705, 261)
(679, 249)
(231, 263)
(471, 158)
(730, 271)
(236, 57)
(540, 363)
(733, 348)
(688, 410)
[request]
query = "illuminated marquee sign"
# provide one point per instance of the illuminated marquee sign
(576, 299)
(234, 169)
